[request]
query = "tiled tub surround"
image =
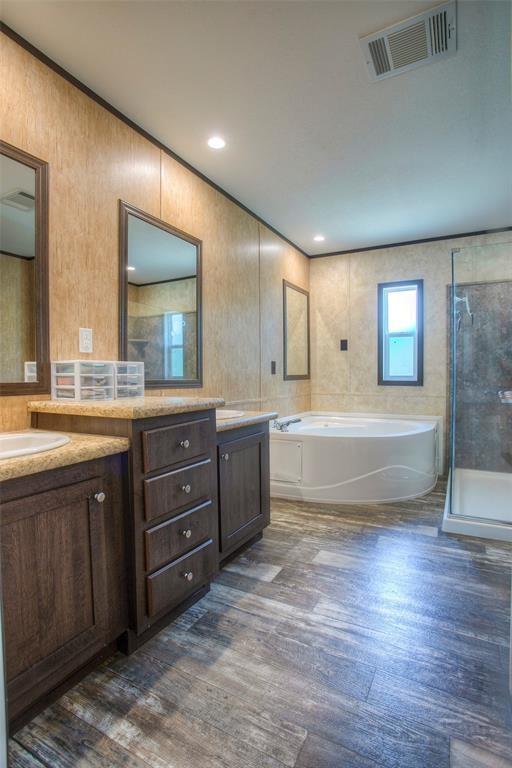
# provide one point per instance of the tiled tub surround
(483, 425)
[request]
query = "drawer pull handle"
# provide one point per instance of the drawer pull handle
(100, 497)
(187, 534)
(225, 456)
(185, 443)
(188, 575)
(186, 488)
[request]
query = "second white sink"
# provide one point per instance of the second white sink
(34, 441)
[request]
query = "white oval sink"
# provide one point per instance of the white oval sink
(23, 443)
(225, 414)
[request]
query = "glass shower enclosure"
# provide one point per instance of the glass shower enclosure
(479, 498)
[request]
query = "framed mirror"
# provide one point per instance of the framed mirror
(160, 300)
(295, 332)
(24, 345)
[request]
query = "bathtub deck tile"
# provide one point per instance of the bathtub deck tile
(348, 636)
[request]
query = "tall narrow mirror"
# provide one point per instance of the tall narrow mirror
(160, 300)
(296, 331)
(24, 354)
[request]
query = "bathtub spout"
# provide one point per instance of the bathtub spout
(282, 426)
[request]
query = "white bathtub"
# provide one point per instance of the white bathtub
(337, 457)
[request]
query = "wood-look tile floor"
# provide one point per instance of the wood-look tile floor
(349, 637)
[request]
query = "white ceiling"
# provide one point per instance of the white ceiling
(156, 255)
(17, 227)
(312, 145)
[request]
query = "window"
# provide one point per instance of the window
(174, 345)
(400, 341)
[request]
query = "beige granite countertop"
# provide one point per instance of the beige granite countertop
(80, 448)
(249, 417)
(127, 408)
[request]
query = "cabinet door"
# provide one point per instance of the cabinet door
(243, 500)
(54, 587)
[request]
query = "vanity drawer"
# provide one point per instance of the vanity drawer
(165, 446)
(174, 537)
(171, 584)
(177, 490)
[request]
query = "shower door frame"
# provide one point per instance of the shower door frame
(457, 522)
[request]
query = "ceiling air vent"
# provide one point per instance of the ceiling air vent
(412, 43)
(19, 199)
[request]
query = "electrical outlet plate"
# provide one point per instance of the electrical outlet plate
(85, 340)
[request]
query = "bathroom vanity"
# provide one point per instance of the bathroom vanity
(244, 480)
(63, 564)
(171, 502)
(109, 537)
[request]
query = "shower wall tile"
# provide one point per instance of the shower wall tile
(483, 427)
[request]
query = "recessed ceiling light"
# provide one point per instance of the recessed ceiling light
(216, 142)
(130, 269)
(319, 238)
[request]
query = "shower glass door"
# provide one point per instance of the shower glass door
(480, 488)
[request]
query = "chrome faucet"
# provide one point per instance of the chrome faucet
(282, 426)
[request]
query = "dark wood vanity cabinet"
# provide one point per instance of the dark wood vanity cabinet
(63, 575)
(174, 517)
(244, 485)
(172, 513)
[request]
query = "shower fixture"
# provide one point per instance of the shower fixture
(465, 301)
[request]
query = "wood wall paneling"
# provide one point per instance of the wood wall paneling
(230, 281)
(278, 262)
(95, 160)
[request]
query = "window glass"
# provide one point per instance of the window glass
(401, 310)
(400, 333)
(401, 356)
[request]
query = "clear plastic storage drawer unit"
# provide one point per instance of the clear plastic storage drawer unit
(129, 379)
(83, 380)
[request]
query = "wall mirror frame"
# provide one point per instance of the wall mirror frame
(296, 334)
(41, 344)
(125, 212)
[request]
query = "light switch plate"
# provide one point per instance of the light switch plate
(85, 340)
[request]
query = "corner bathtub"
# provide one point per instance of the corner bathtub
(337, 458)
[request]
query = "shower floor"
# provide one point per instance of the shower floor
(482, 504)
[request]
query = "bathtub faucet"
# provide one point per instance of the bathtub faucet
(282, 426)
